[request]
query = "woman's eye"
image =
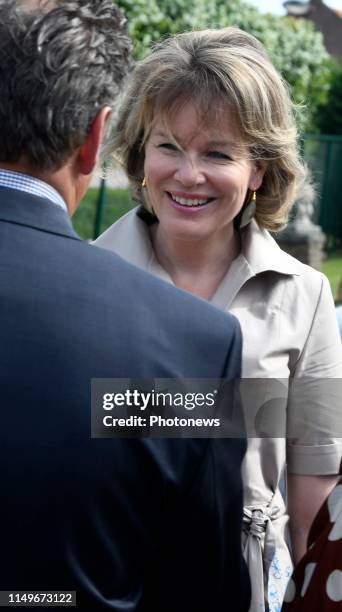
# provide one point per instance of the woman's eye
(167, 145)
(218, 155)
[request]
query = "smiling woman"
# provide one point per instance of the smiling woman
(208, 139)
(197, 181)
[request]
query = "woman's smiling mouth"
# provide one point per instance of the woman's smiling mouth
(195, 201)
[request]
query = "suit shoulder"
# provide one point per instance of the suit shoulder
(173, 320)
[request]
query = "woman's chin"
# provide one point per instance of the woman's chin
(183, 231)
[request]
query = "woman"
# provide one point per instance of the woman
(208, 140)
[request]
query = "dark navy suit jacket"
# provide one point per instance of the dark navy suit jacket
(130, 524)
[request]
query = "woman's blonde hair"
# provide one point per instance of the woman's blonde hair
(217, 68)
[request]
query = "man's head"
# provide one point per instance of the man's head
(61, 62)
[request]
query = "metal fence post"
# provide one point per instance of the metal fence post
(100, 205)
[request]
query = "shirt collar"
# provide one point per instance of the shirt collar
(259, 253)
(129, 237)
(263, 254)
(32, 185)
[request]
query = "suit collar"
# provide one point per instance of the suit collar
(23, 208)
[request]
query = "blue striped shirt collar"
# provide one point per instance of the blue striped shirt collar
(32, 185)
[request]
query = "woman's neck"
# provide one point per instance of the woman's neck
(198, 266)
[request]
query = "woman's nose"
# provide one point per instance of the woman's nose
(189, 173)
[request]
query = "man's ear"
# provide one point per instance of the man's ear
(88, 151)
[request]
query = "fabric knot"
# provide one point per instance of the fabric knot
(264, 554)
(256, 521)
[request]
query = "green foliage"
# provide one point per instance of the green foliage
(117, 203)
(146, 23)
(293, 44)
(329, 115)
(297, 50)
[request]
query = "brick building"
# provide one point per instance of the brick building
(326, 20)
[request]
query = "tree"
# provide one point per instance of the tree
(329, 116)
(294, 45)
(298, 52)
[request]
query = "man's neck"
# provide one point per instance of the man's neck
(61, 180)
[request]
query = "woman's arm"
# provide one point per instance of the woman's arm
(306, 494)
(314, 412)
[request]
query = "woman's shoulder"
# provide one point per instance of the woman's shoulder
(129, 238)
(311, 289)
(264, 254)
(311, 278)
(128, 223)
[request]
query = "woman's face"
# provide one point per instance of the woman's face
(197, 187)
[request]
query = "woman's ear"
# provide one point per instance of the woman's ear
(257, 175)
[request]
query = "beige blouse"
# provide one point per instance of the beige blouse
(289, 329)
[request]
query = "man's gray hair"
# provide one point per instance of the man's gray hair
(60, 63)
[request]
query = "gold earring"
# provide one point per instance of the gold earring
(143, 184)
(248, 211)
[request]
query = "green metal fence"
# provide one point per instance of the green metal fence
(324, 157)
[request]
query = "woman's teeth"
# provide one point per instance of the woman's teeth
(189, 201)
